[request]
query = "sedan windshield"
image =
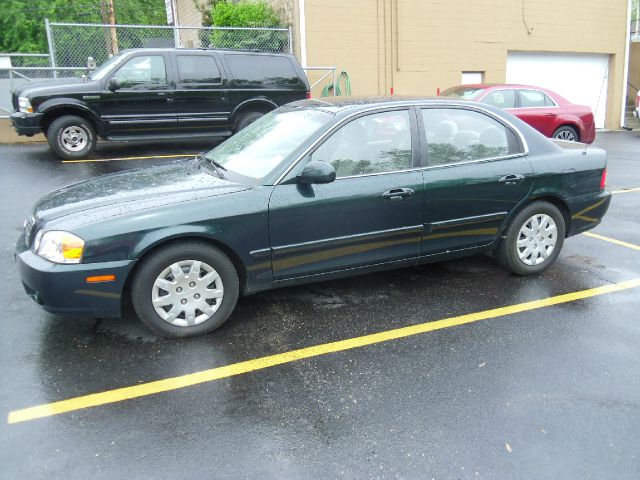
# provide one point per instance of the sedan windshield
(465, 93)
(264, 145)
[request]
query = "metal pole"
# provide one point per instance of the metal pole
(290, 42)
(176, 36)
(52, 52)
(335, 87)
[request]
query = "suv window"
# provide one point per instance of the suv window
(501, 98)
(144, 71)
(457, 135)
(533, 98)
(198, 69)
(376, 143)
(261, 69)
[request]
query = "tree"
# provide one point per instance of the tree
(245, 13)
(22, 21)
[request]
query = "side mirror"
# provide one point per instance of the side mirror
(317, 172)
(113, 84)
(91, 63)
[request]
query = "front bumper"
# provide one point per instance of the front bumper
(27, 124)
(63, 289)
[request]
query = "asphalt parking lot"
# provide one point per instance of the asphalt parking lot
(496, 377)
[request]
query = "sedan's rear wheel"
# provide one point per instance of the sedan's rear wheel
(533, 240)
(566, 133)
(185, 289)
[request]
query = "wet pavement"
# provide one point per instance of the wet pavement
(546, 393)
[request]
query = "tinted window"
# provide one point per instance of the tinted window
(198, 69)
(373, 144)
(146, 71)
(261, 69)
(532, 98)
(456, 135)
(501, 98)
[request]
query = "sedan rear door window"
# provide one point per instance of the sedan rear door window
(534, 99)
(375, 143)
(458, 135)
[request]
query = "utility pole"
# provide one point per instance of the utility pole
(112, 30)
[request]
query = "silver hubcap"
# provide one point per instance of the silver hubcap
(187, 293)
(566, 135)
(537, 239)
(74, 138)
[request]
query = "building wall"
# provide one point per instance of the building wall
(418, 46)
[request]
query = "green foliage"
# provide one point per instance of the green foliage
(22, 21)
(245, 13)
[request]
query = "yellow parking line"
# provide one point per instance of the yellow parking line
(627, 190)
(174, 383)
(89, 160)
(612, 240)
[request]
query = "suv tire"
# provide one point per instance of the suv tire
(246, 119)
(71, 137)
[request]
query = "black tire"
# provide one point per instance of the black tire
(566, 133)
(246, 119)
(142, 288)
(60, 143)
(508, 251)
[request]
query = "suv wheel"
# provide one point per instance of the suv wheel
(246, 119)
(71, 137)
(185, 289)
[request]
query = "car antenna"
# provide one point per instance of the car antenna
(595, 112)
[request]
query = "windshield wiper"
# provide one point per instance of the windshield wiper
(217, 166)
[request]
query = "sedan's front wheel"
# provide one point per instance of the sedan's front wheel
(533, 240)
(185, 289)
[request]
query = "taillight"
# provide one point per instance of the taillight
(603, 180)
(308, 95)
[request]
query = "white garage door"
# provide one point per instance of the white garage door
(580, 78)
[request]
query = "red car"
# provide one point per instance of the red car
(546, 111)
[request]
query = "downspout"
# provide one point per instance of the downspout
(303, 34)
(625, 74)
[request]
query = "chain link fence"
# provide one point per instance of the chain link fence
(70, 44)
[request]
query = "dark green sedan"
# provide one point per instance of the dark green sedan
(312, 191)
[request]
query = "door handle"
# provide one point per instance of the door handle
(170, 100)
(512, 179)
(397, 193)
(551, 114)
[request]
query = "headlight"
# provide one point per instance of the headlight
(24, 105)
(59, 247)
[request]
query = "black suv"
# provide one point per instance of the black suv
(158, 93)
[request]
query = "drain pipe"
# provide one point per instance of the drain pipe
(303, 33)
(625, 75)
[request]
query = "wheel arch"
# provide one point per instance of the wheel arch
(56, 111)
(151, 247)
(253, 105)
(555, 200)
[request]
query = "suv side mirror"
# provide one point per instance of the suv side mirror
(317, 172)
(113, 84)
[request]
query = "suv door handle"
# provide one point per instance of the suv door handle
(397, 193)
(512, 179)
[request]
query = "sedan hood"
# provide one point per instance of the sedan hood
(131, 191)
